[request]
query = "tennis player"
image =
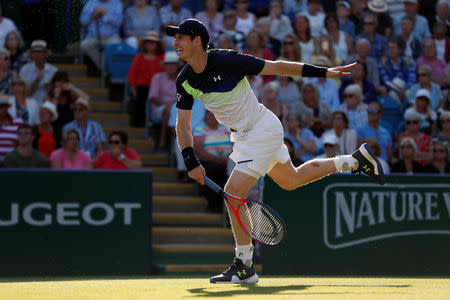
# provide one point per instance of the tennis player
(218, 78)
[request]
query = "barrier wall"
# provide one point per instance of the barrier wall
(75, 223)
(348, 225)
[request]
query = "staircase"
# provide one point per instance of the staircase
(186, 238)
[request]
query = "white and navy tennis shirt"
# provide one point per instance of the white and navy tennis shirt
(223, 88)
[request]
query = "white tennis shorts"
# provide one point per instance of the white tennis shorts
(257, 150)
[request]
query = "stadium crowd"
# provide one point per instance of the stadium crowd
(397, 98)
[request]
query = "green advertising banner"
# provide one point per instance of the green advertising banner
(59, 223)
(348, 225)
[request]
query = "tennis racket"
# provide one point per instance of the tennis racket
(259, 221)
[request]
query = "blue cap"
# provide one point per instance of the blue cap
(192, 27)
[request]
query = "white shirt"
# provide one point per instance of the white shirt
(29, 72)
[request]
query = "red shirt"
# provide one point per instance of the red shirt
(142, 69)
(106, 161)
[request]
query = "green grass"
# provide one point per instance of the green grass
(166, 288)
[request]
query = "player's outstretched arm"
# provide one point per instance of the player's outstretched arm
(288, 68)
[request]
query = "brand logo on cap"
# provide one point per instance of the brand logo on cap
(217, 78)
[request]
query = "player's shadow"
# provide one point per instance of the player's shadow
(254, 289)
(250, 289)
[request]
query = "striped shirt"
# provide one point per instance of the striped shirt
(9, 137)
(217, 141)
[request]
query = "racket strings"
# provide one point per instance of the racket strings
(265, 225)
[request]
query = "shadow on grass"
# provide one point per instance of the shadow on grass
(255, 289)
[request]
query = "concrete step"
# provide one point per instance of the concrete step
(74, 70)
(142, 146)
(111, 119)
(106, 107)
(178, 204)
(188, 219)
(133, 133)
(193, 235)
(155, 159)
(173, 189)
(86, 82)
(62, 58)
(164, 174)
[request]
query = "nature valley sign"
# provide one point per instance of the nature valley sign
(358, 213)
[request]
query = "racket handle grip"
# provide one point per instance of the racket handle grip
(212, 185)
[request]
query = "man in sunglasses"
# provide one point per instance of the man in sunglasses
(375, 130)
(119, 156)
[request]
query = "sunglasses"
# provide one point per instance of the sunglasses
(369, 23)
(114, 142)
(412, 122)
(24, 133)
(288, 43)
(79, 109)
(348, 95)
(422, 74)
(18, 83)
(406, 146)
(373, 111)
(229, 16)
(328, 145)
(438, 150)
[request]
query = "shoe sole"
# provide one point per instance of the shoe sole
(367, 153)
(235, 280)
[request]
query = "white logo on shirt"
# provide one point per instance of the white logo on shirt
(178, 97)
(217, 78)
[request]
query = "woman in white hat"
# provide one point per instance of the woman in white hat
(22, 106)
(47, 138)
(144, 66)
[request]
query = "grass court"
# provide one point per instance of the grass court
(311, 288)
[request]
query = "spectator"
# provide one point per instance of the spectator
(421, 28)
(47, 138)
(424, 82)
(442, 16)
(70, 157)
(439, 71)
(407, 163)
(444, 133)
(410, 45)
(255, 47)
(63, 94)
(379, 8)
(142, 70)
(163, 95)
(346, 136)
(354, 106)
(330, 145)
(140, 18)
(307, 42)
(22, 106)
(427, 115)
(362, 51)
(423, 142)
(103, 19)
(326, 50)
(18, 56)
(289, 92)
(290, 49)
(38, 73)
(6, 25)
(119, 156)
(342, 42)
(211, 17)
(440, 162)
(172, 14)
(343, 13)
(230, 28)
(376, 149)
(295, 160)
(316, 17)
(294, 7)
(269, 99)
(225, 41)
(304, 141)
(398, 92)
(5, 72)
(328, 88)
(245, 19)
(280, 25)
(395, 65)
(357, 9)
(8, 128)
(316, 115)
(373, 129)
(378, 44)
(91, 136)
(213, 146)
(442, 42)
(24, 156)
(359, 76)
(445, 105)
